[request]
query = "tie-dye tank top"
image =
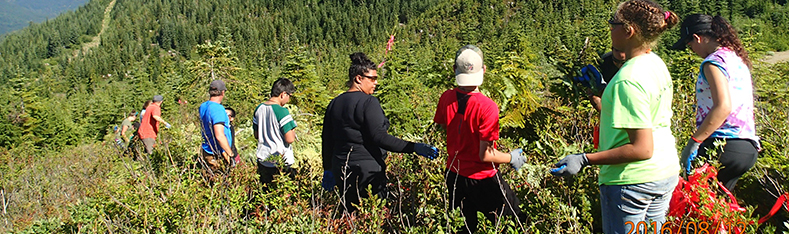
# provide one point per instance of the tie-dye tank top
(740, 123)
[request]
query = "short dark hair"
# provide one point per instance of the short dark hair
(146, 104)
(133, 113)
(232, 111)
(215, 92)
(360, 64)
(282, 85)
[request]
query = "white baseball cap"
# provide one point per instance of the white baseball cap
(469, 69)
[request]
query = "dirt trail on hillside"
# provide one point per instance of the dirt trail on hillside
(777, 57)
(104, 24)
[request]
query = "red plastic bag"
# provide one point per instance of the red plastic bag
(596, 137)
(778, 204)
(686, 204)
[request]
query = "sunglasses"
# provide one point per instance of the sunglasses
(613, 22)
(369, 77)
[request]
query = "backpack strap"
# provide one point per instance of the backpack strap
(462, 101)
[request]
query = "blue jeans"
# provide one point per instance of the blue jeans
(625, 206)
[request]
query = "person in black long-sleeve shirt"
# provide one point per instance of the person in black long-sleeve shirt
(355, 138)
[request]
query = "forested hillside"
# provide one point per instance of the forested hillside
(15, 14)
(66, 82)
(15, 17)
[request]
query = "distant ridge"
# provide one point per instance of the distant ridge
(15, 17)
(17, 14)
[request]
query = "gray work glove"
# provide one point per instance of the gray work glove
(689, 154)
(570, 165)
(517, 159)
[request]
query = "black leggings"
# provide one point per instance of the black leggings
(353, 179)
(737, 157)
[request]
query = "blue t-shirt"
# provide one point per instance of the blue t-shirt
(212, 113)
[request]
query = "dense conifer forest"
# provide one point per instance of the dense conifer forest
(66, 82)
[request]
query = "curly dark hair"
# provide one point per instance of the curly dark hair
(727, 36)
(360, 64)
(722, 31)
(647, 18)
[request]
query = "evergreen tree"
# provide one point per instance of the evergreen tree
(311, 95)
(217, 61)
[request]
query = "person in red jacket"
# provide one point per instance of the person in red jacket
(472, 123)
(149, 126)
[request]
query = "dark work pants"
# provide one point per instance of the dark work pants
(354, 178)
(267, 173)
(737, 156)
(491, 196)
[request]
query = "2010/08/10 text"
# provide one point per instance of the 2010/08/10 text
(702, 227)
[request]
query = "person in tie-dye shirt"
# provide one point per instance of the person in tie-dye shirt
(724, 97)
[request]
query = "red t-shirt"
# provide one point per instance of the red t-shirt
(464, 132)
(149, 127)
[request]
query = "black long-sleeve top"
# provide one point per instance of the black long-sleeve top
(607, 67)
(355, 128)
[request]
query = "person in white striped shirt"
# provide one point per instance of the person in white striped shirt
(274, 129)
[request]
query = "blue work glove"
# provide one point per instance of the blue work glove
(570, 165)
(517, 159)
(594, 77)
(689, 154)
(591, 78)
(583, 80)
(328, 181)
(167, 125)
(428, 151)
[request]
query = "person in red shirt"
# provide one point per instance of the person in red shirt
(149, 125)
(471, 121)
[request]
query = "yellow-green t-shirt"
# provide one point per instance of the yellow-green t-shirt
(638, 97)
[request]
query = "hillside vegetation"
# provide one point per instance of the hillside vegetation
(60, 99)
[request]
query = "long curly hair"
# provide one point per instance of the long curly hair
(722, 31)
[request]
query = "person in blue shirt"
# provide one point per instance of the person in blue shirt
(216, 132)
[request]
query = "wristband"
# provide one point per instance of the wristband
(694, 139)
